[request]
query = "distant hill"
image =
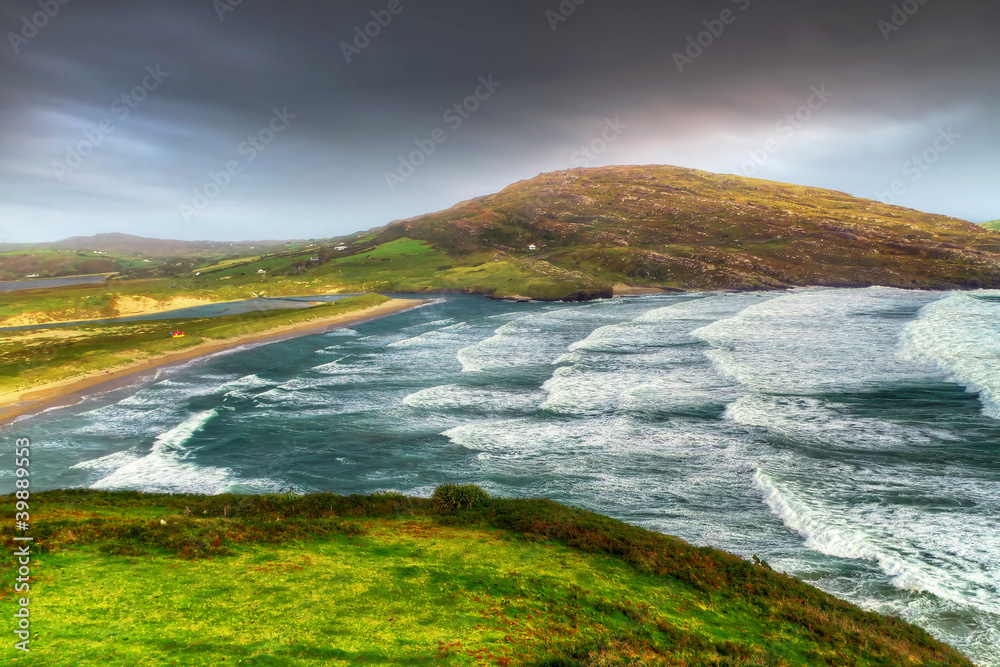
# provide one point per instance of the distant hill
(113, 253)
(127, 244)
(685, 229)
(995, 225)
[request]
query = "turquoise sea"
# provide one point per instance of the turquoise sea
(849, 437)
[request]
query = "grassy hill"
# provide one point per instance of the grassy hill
(460, 579)
(20, 264)
(681, 228)
(995, 225)
(575, 234)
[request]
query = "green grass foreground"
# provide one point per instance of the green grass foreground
(459, 579)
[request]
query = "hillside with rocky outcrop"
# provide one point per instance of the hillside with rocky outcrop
(678, 228)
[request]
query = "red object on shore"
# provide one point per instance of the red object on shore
(176, 334)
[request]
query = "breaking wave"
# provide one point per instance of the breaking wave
(959, 334)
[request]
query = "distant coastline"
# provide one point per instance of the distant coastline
(69, 392)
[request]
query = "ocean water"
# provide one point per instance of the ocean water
(849, 437)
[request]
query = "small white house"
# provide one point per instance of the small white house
(532, 247)
(261, 271)
(341, 247)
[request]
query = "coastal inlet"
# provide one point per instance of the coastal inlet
(850, 437)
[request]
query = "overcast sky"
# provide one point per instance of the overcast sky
(114, 116)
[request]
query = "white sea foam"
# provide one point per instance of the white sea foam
(165, 468)
(573, 391)
(606, 439)
(959, 334)
(356, 365)
(664, 380)
(818, 421)
(507, 347)
(680, 388)
(649, 329)
(700, 309)
(433, 338)
(648, 362)
(108, 464)
(427, 325)
(163, 390)
(815, 340)
(304, 391)
(620, 337)
(533, 340)
(115, 420)
(898, 544)
(245, 386)
(455, 397)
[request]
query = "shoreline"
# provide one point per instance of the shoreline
(70, 392)
(621, 289)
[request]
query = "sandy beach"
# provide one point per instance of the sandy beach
(73, 390)
(621, 289)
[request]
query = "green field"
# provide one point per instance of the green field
(35, 357)
(995, 225)
(19, 264)
(283, 580)
(407, 265)
(130, 255)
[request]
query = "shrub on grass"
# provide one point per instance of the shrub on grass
(451, 497)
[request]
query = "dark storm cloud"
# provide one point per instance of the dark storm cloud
(182, 162)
